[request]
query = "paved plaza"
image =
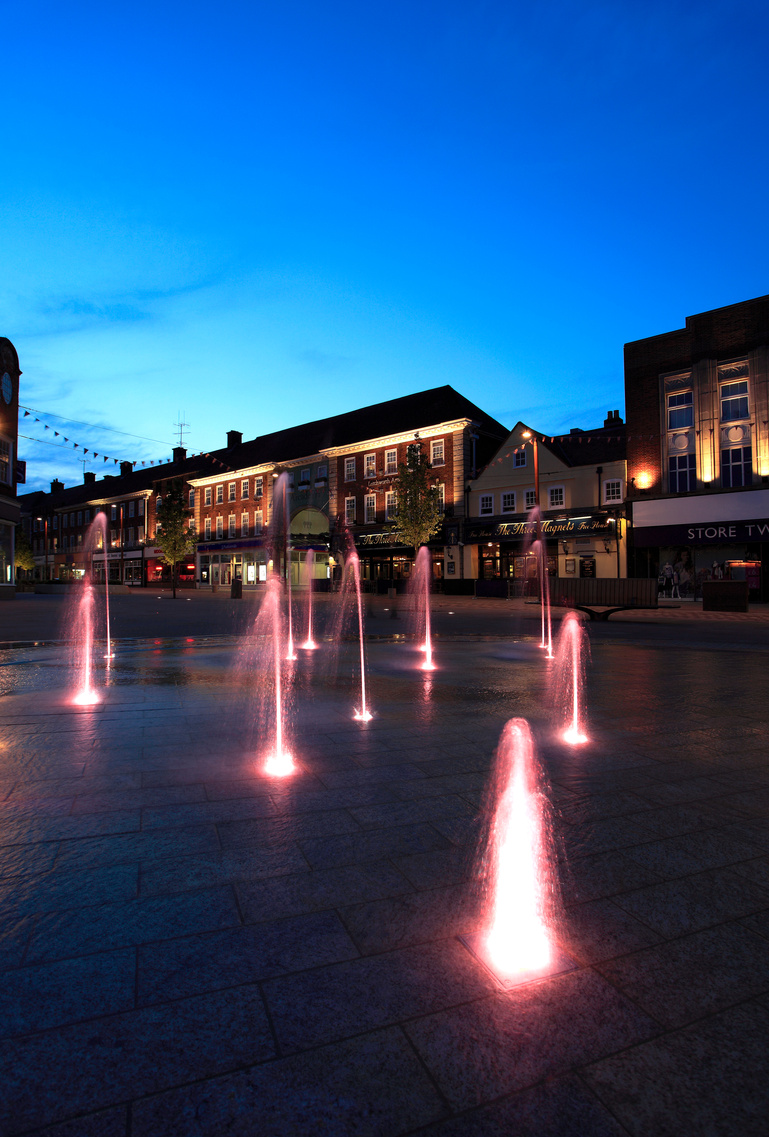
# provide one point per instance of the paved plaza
(189, 948)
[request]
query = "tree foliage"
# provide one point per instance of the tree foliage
(173, 535)
(24, 558)
(418, 511)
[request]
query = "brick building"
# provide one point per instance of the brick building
(341, 472)
(697, 403)
(10, 468)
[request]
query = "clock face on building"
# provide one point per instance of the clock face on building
(7, 387)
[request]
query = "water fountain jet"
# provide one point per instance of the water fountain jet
(309, 644)
(569, 677)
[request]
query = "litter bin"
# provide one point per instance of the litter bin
(236, 590)
(725, 596)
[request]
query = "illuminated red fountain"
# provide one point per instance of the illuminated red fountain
(309, 565)
(362, 713)
(569, 677)
(269, 629)
(522, 893)
(421, 583)
(85, 694)
(281, 513)
(100, 524)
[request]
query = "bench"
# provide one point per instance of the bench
(611, 594)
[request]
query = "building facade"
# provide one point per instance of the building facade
(698, 450)
(11, 471)
(578, 480)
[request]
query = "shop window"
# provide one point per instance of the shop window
(487, 504)
(555, 497)
(508, 503)
(369, 503)
(391, 461)
(680, 410)
(681, 473)
(369, 465)
(231, 525)
(530, 499)
(244, 525)
(612, 491)
(244, 488)
(390, 505)
(207, 495)
(219, 495)
(734, 402)
(349, 469)
(520, 456)
(231, 491)
(349, 510)
(737, 466)
(207, 528)
(219, 528)
(436, 452)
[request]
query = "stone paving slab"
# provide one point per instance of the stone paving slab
(188, 947)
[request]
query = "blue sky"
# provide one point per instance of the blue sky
(257, 214)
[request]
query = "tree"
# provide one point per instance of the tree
(173, 534)
(418, 510)
(24, 558)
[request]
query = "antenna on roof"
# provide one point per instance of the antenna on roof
(181, 426)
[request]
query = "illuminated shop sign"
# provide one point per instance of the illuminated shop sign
(561, 527)
(703, 533)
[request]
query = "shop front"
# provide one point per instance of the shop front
(584, 546)
(387, 564)
(684, 542)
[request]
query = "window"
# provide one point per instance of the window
(737, 466)
(231, 491)
(436, 452)
(612, 491)
(258, 522)
(369, 506)
(321, 473)
(88, 517)
(304, 478)
(72, 519)
(390, 505)
(349, 510)
(487, 504)
(207, 528)
(131, 508)
(520, 456)
(112, 538)
(158, 503)
(258, 487)
(369, 465)
(349, 469)
(680, 410)
(190, 498)
(244, 525)
(391, 461)
(231, 525)
(112, 514)
(140, 533)
(56, 521)
(207, 495)
(6, 465)
(441, 495)
(80, 538)
(734, 401)
(530, 499)
(130, 535)
(508, 503)
(141, 507)
(244, 488)
(681, 473)
(555, 497)
(219, 495)
(80, 517)
(219, 528)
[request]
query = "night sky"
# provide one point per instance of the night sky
(258, 214)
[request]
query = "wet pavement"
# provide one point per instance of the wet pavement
(190, 948)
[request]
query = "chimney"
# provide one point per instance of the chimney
(126, 468)
(234, 437)
(612, 419)
(56, 486)
(89, 477)
(179, 453)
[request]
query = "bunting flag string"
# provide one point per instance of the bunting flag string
(66, 441)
